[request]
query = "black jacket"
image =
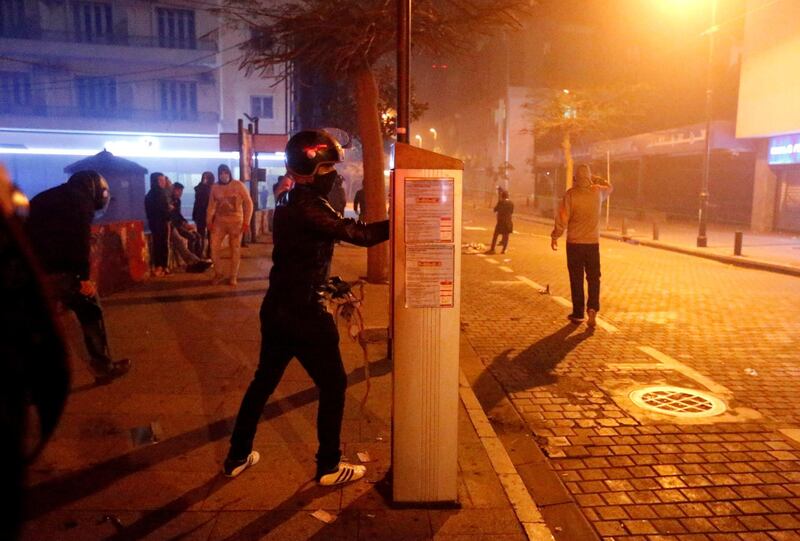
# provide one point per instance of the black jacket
(305, 229)
(201, 194)
(504, 209)
(156, 206)
(59, 228)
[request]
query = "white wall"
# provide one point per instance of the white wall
(769, 91)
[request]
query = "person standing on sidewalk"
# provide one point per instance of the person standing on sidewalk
(201, 194)
(156, 206)
(359, 202)
(504, 226)
(228, 215)
(294, 321)
(579, 214)
(59, 228)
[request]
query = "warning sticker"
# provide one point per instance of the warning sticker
(430, 276)
(429, 210)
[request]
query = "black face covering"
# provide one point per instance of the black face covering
(323, 183)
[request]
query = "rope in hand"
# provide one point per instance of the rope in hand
(345, 305)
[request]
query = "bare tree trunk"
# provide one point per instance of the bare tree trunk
(374, 186)
(566, 146)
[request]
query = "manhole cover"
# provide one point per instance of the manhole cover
(678, 401)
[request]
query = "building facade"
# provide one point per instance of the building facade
(152, 82)
(769, 110)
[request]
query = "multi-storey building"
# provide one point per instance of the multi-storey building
(154, 82)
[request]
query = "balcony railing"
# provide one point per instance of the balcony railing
(163, 42)
(119, 113)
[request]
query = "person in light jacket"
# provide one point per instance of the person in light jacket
(579, 215)
(228, 215)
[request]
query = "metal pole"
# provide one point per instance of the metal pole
(608, 178)
(702, 240)
(254, 185)
(403, 53)
(507, 120)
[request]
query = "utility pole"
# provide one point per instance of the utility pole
(702, 239)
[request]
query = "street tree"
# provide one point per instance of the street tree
(566, 114)
(346, 40)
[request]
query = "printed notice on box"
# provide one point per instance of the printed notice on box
(429, 210)
(430, 275)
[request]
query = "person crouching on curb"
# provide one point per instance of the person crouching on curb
(294, 321)
(228, 215)
(579, 214)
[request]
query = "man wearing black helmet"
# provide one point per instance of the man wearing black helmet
(59, 227)
(294, 322)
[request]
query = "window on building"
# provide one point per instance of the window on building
(12, 18)
(176, 28)
(97, 96)
(178, 100)
(15, 91)
(92, 22)
(261, 106)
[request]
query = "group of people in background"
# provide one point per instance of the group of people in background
(222, 210)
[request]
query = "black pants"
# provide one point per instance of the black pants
(503, 239)
(90, 315)
(309, 334)
(160, 239)
(584, 259)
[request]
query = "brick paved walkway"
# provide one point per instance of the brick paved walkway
(637, 475)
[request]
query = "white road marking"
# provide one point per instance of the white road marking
(562, 301)
(528, 281)
(674, 364)
(492, 261)
(474, 228)
(605, 325)
(516, 491)
(505, 269)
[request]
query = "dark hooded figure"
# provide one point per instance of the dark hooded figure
(201, 194)
(59, 227)
(34, 370)
(157, 208)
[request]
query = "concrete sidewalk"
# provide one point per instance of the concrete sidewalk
(773, 252)
(141, 458)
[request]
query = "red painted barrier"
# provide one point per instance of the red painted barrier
(119, 255)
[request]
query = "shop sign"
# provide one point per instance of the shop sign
(784, 150)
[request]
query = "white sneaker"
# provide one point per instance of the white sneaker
(592, 322)
(234, 468)
(345, 473)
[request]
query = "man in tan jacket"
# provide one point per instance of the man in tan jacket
(228, 215)
(579, 214)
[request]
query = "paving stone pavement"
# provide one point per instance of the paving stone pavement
(195, 347)
(637, 475)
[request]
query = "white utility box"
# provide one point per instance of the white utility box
(425, 326)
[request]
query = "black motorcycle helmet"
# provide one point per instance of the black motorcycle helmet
(309, 149)
(94, 184)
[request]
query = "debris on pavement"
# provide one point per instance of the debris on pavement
(750, 371)
(364, 457)
(473, 248)
(545, 291)
(323, 516)
(113, 519)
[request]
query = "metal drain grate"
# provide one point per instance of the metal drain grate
(678, 402)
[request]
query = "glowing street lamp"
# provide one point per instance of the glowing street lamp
(433, 131)
(418, 139)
